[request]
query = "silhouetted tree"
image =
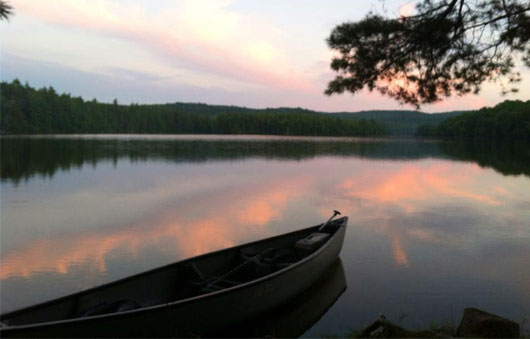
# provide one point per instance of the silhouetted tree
(5, 10)
(448, 47)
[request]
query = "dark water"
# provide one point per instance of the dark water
(434, 227)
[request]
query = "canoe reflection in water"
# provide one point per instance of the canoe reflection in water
(296, 317)
(197, 296)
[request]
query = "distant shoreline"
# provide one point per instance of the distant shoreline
(30, 111)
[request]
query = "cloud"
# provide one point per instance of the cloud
(128, 85)
(256, 59)
(407, 9)
(204, 35)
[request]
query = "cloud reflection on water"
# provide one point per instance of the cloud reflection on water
(408, 184)
(398, 193)
(223, 225)
(227, 214)
(404, 214)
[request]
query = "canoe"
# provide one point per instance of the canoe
(193, 297)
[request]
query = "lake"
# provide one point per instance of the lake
(434, 227)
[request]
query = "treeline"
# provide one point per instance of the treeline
(25, 110)
(400, 122)
(509, 120)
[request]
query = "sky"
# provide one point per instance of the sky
(252, 53)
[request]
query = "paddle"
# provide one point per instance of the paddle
(335, 213)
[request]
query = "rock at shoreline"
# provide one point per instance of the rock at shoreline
(480, 324)
(382, 328)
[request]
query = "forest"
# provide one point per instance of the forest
(509, 120)
(26, 110)
(399, 122)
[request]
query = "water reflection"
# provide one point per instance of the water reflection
(294, 318)
(508, 158)
(424, 201)
(407, 185)
(25, 157)
(433, 227)
(234, 215)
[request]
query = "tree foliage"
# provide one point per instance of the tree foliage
(5, 10)
(509, 120)
(448, 47)
(26, 110)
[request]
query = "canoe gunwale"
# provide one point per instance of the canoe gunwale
(229, 290)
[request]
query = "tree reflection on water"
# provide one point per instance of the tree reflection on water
(25, 157)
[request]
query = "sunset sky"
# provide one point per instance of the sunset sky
(250, 53)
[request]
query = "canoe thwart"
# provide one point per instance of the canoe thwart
(106, 307)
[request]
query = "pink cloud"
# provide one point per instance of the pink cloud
(211, 39)
(208, 45)
(407, 9)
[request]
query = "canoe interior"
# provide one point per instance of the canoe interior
(178, 282)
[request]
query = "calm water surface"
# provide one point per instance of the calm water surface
(433, 227)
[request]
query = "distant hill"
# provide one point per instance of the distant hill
(397, 122)
(201, 108)
(400, 122)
